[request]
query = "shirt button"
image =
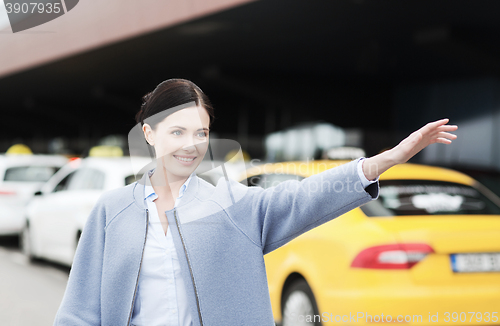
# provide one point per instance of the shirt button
(170, 281)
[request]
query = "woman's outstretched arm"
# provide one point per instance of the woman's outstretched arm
(433, 132)
(274, 216)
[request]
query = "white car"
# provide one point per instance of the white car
(57, 215)
(20, 177)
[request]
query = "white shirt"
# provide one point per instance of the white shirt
(161, 294)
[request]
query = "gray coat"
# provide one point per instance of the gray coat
(221, 235)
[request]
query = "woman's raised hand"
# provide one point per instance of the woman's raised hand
(433, 132)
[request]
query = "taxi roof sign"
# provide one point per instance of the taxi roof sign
(232, 156)
(105, 151)
(19, 149)
(344, 153)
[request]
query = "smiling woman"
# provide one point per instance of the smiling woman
(179, 141)
(131, 268)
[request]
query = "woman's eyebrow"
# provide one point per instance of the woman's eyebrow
(185, 128)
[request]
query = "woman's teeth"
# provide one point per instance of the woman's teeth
(184, 159)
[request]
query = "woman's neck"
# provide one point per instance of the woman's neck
(165, 184)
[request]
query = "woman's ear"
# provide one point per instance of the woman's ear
(148, 134)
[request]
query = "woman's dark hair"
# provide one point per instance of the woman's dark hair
(171, 93)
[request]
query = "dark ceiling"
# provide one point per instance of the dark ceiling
(270, 64)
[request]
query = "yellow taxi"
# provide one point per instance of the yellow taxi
(426, 252)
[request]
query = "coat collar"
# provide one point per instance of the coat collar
(189, 193)
(149, 190)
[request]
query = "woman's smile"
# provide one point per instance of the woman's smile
(184, 159)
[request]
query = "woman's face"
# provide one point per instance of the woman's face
(180, 140)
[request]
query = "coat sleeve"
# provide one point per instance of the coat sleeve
(274, 216)
(81, 303)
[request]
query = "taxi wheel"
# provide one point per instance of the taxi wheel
(299, 306)
(26, 245)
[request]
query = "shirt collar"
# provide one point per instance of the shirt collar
(149, 190)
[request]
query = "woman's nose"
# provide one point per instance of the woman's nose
(192, 142)
(189, 142)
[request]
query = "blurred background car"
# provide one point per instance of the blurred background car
(21, 175)
(429, 243)
(57, 215)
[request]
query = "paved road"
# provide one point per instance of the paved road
(30, 293)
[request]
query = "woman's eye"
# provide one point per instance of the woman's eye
(177, 132)
(202, 134)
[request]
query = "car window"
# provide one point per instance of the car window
(29, 173)
(422, 197)
(131, 178)
(63, 184)
(252, 181)
(87, 179)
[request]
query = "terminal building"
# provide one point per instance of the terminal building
(380, 68)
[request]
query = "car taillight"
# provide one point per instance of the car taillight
(74, 162)
(392, 256)
(7, 192)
